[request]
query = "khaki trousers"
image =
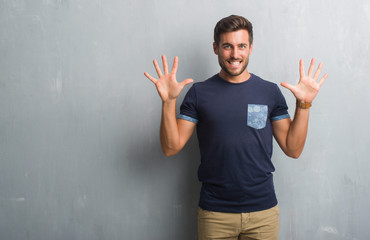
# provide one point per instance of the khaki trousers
(260, 225)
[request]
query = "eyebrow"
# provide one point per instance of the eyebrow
(224, 44)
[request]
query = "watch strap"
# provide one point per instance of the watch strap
(303, 105)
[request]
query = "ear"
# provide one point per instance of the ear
(251, 48)
(215, 48)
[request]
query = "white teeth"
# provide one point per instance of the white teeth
(235, 63)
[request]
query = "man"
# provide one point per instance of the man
(236, 114)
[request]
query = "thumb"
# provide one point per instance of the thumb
(186, 82)
(287, 85)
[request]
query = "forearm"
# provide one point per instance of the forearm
(297, 133)
(169, 134)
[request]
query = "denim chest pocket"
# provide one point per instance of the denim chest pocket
(257, 116)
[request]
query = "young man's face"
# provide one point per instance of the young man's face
(233, 52)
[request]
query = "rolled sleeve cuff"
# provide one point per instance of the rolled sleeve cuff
(187, 118)
(280, 117)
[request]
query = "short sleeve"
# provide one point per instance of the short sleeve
(280, 110)
(188, 108)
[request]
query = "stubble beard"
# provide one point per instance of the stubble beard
(225, 69)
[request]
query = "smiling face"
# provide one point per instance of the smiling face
(233, 52)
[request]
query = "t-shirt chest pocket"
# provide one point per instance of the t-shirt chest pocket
(257, 115)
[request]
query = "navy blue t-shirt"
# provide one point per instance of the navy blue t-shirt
(235, 140)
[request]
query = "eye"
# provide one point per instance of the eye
(243, 46)
(227, 47)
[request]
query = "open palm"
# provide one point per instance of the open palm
(167, 86)
(308, 86)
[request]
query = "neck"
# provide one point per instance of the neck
(235, 79)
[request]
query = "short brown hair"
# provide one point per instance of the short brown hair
(230, 24)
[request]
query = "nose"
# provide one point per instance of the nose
(235, 53)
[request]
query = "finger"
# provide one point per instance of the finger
(288, 86)
(175, 64)
(318, 71)
(323, 79)
(301, 68)
(186, 82)
(150, 77)
(165, 65)
(312, 65)
(157, 68)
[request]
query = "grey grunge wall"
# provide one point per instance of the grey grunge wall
(80, 156)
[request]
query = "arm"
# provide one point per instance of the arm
(174, 133)
(291, 135)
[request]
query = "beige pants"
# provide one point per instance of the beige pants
(260, 225)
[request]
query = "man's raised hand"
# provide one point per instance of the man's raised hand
(167, 86)
(308, 86)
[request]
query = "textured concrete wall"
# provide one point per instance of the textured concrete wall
(79, 146)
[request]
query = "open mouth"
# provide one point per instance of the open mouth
(234, 63)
